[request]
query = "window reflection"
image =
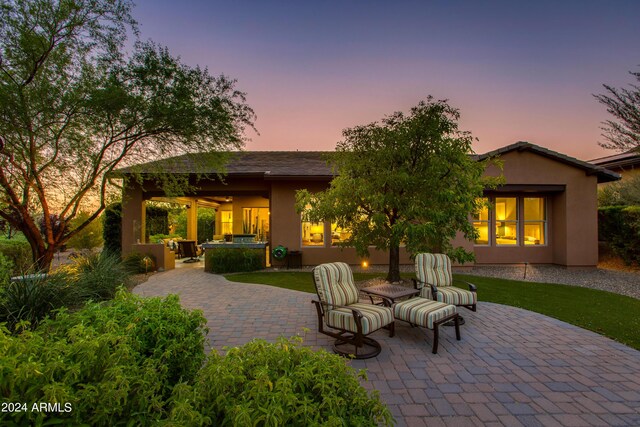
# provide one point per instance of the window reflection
(506, 220)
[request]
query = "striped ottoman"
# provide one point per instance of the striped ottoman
(428, 314)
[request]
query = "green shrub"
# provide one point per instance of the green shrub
(157, 220)
(33, 298)
(6, 268)
(139, 263)
(206, 224)
(98, 276)
(18, 251)
(232, 260)
(112, 229)
(114, 363)
(619, 226)
(624, 193)
(281, 384)
(90, 237)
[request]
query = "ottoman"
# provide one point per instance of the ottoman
(428, 314)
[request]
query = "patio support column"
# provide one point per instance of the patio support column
(143, 223)
(192, 220)
(132, 216)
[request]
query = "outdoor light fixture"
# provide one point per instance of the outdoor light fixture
(365, 264)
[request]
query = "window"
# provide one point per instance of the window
(339, 234)
(514, 221)
(481, 223)
(226, 222)
(535, 221)
(312, 232)
(256, 221)
(506, 220)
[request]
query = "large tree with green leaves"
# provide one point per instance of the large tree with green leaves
(623, 132)
(75, 105)
(407, 180)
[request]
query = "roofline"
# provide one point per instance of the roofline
(604, 175)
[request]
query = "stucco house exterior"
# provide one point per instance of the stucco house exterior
(626, 164)
(546, 212)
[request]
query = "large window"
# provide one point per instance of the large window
(506, 220)
(535, 221)
(226, 222)
(256, 221)
(339, 234)
(514, 221)
(312, 233)
(481, 224)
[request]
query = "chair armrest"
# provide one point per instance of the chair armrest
(472, 287)
(419, 285)
(355, 311)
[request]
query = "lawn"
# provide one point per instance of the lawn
(612, 315)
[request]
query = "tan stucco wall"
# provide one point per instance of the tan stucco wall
(572, 215)
(572, 221)
(286, 230)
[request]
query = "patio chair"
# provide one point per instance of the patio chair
(339, 308)
(435, 281)
(189, 250)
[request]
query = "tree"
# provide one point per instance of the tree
(74, 107)
(407, 180)
(623, 133)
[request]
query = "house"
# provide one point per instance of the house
(544, 213)
(626, 164)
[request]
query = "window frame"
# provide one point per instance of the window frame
(520, 220)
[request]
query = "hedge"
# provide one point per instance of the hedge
(112, 229)
(234, 260)
(18, 251)
(619, 226)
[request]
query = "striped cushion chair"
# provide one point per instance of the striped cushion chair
(339, 308)
(435, 281)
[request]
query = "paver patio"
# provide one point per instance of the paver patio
(512, 367)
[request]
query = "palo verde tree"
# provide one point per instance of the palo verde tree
(407, 180)
(622, 133)
(75, 106)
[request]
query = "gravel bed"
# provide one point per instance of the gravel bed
(620, 282)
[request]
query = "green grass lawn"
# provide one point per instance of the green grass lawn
(609, 314)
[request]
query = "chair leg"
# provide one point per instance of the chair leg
(457, 320)
(435, 339)
(392, 329)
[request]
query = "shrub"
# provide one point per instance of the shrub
(114, 363)
(619, 226)
(90, 237)
(625, 193)
(231, 260)
(6, 268)
(278, 384)
(112, 229)
(33, 298)
(18, 251)
(157, 220)
(139, 263)
(98, 276)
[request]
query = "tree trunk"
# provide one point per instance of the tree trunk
(394, 264)
(43, 263)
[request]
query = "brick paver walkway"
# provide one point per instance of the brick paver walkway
(512, 367)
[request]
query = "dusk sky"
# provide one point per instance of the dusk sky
(516, 70)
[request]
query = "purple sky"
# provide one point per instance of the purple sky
(516, 70)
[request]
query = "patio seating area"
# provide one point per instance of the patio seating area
(511, 368)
